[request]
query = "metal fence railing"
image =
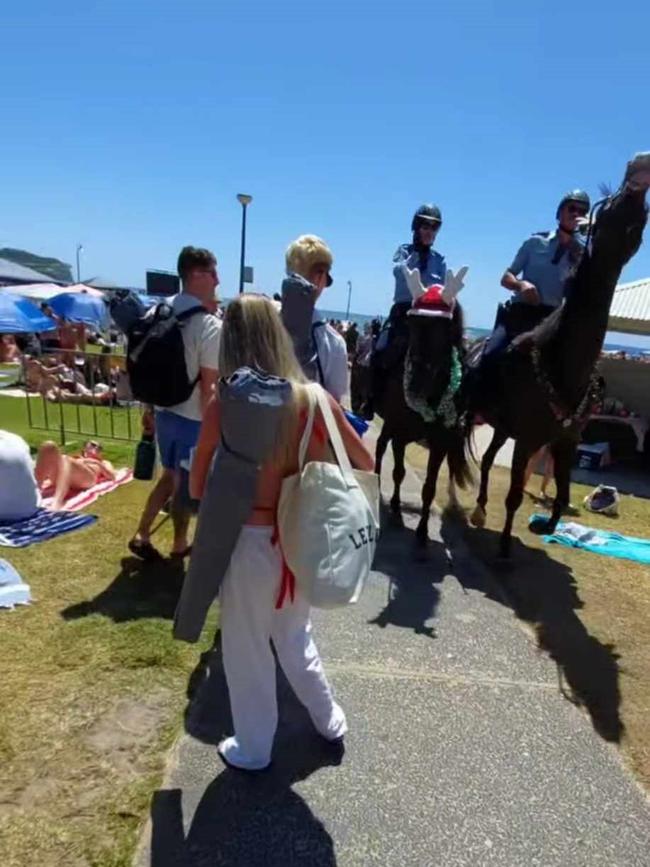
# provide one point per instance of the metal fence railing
(70, 394)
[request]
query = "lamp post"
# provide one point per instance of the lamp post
(347, 312)
(79, 249)
(243, 200)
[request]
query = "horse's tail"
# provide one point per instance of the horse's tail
(460, 470)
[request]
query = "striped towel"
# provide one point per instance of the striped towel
(81, 499)
(41, 526)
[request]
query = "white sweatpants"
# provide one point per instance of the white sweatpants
(249, 621)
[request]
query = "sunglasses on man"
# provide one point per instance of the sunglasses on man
(577, 211)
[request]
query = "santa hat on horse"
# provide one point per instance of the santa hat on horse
(436, 300)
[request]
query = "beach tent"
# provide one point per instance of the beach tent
(630, 310)
(22, 316)
(35, 291)
(81, 307)
(82, 287)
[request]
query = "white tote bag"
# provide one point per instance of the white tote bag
(328, 519)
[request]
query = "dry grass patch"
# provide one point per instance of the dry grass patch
(92, 693)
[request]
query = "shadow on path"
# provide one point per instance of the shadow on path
(543, 592)
(244, 819)
(412, 595)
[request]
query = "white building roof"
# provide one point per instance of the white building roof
(630, 310)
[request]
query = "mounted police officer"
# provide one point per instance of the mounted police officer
(539, 272)
(393, 341)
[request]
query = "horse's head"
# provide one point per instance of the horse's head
(436, 316)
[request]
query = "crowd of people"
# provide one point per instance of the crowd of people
(259, 333)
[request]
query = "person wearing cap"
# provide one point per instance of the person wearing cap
(420, 254)
(538, 275)
(321, 350)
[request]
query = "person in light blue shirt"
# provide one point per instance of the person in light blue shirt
(393, 340)
(539, 274)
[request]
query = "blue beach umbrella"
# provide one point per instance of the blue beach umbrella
(80, 307)
(20, 316)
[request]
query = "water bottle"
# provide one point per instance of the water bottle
(145, 458)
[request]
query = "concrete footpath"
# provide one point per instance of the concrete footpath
(461, 749)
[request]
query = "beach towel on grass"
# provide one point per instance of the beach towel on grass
(603, 542)
(81, 499)
(13, 590)
(41, 526)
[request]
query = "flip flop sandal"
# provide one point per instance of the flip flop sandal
(181, 555)
(144, 550)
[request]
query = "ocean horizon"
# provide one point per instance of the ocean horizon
(362, 318)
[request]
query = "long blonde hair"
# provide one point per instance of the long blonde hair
(253, 336)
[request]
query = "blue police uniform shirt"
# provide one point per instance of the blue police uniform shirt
(539, 261)
(433, 273)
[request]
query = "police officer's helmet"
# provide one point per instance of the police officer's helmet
(426, 215)
(577, 196)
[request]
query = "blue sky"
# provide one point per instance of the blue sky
(130, 127)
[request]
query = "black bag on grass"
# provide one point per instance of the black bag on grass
(156, 356)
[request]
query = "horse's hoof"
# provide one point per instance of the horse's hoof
(541, 526)
(396, 518)
(478, 517)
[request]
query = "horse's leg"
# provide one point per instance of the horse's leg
(452, 494)
(563, 453)
(523, 451)
(436, 457)
(380, 449)
(399, 471)
(478, 516)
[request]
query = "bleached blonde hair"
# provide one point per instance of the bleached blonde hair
(305, 252)
(253, 336)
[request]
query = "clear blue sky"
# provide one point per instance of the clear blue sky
(130, 127)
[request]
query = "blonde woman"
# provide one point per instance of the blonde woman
(253, 336)
(309, 262)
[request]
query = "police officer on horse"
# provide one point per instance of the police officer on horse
(393, 341)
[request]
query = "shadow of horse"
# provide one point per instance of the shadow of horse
(412, 593)
(139, 590)
(242, 819)
(543, 592)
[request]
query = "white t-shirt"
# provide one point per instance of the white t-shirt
(333, 357)
(201, 337)
(19, 497)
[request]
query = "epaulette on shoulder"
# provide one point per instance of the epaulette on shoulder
(541, 235)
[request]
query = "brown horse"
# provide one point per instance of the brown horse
(418, 406)
(540, 392)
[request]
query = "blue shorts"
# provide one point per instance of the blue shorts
(176, 436)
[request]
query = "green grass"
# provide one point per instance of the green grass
(80, 423)
(93, 685)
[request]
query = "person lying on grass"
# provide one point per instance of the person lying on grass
(67, 474)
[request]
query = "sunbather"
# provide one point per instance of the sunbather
(67, 473)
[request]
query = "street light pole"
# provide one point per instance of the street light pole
(79, 249)
(347, 312)
(243, 200)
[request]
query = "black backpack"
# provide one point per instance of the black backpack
(156, 357)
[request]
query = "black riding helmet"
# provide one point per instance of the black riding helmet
(426, 215)
(578, 196)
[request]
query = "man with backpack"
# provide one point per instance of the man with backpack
(172, 359)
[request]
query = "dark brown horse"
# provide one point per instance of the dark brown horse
(422, 380)
(539, 393)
